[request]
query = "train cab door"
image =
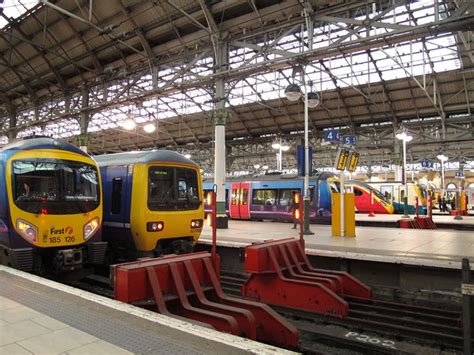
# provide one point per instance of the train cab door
(234, 209)
(115, 213)
(244, 200)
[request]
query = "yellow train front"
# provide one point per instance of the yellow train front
(50, 207)
(153, 203)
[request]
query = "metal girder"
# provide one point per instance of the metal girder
(91, 24)
(78, 36)
(60, 80)
(193, 20)
(146, 46)
(28, 88)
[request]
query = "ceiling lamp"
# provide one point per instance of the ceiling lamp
(187, 156)
(285, 146)
(404, 136)
(313, 99)
(149, 128)
(442, 157)
(293, 92)
(128, 123)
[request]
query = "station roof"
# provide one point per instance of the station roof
(378, 66)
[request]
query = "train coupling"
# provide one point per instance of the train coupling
(68, 259)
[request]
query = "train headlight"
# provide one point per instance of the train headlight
(155, 226)
(91, 227)
(27, 230)
(196, 223)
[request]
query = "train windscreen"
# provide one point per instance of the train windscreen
(52, 186)
(374, 191)
(172, 189)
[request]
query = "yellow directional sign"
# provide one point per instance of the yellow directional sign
(353, 161)
(341, 159)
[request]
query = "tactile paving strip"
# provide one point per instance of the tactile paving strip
(114, 331)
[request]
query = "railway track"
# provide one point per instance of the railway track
(375, 326)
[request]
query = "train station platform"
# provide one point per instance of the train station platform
(444, 221)
(431, 248)
(40, 316)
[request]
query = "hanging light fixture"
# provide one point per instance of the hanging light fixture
(443, 158)
(187, 156)
(293, 92)
(284, 146)
(404, 136)
(128, 123)
(149, 128)
(313, 99)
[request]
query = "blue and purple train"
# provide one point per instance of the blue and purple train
(269, 197)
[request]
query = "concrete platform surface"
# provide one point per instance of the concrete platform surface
(435, 248)
(39, 316)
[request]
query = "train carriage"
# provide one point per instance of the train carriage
(268, 197)
(152, 203)
(394, 191)
(369, 199)
(50, 207)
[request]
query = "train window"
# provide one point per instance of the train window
(265, 197)
(245, 196)
(55, 186)
(171, 188)
(285, 197)
(116, 204)
(357, 192)
(205, 192)
(234, 196)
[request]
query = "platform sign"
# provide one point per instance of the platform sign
(349, 140)
(459, 175)
(353, 161)
(341, 159)
(331, 135)
(427, 164)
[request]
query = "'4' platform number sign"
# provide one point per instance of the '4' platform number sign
(331, 135)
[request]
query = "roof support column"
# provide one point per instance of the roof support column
(397, 159)
(11, 111)
(84, 120)
(220, 115)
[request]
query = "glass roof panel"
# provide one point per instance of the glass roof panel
(14, 9)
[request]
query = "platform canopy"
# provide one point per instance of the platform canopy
(78, 68)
